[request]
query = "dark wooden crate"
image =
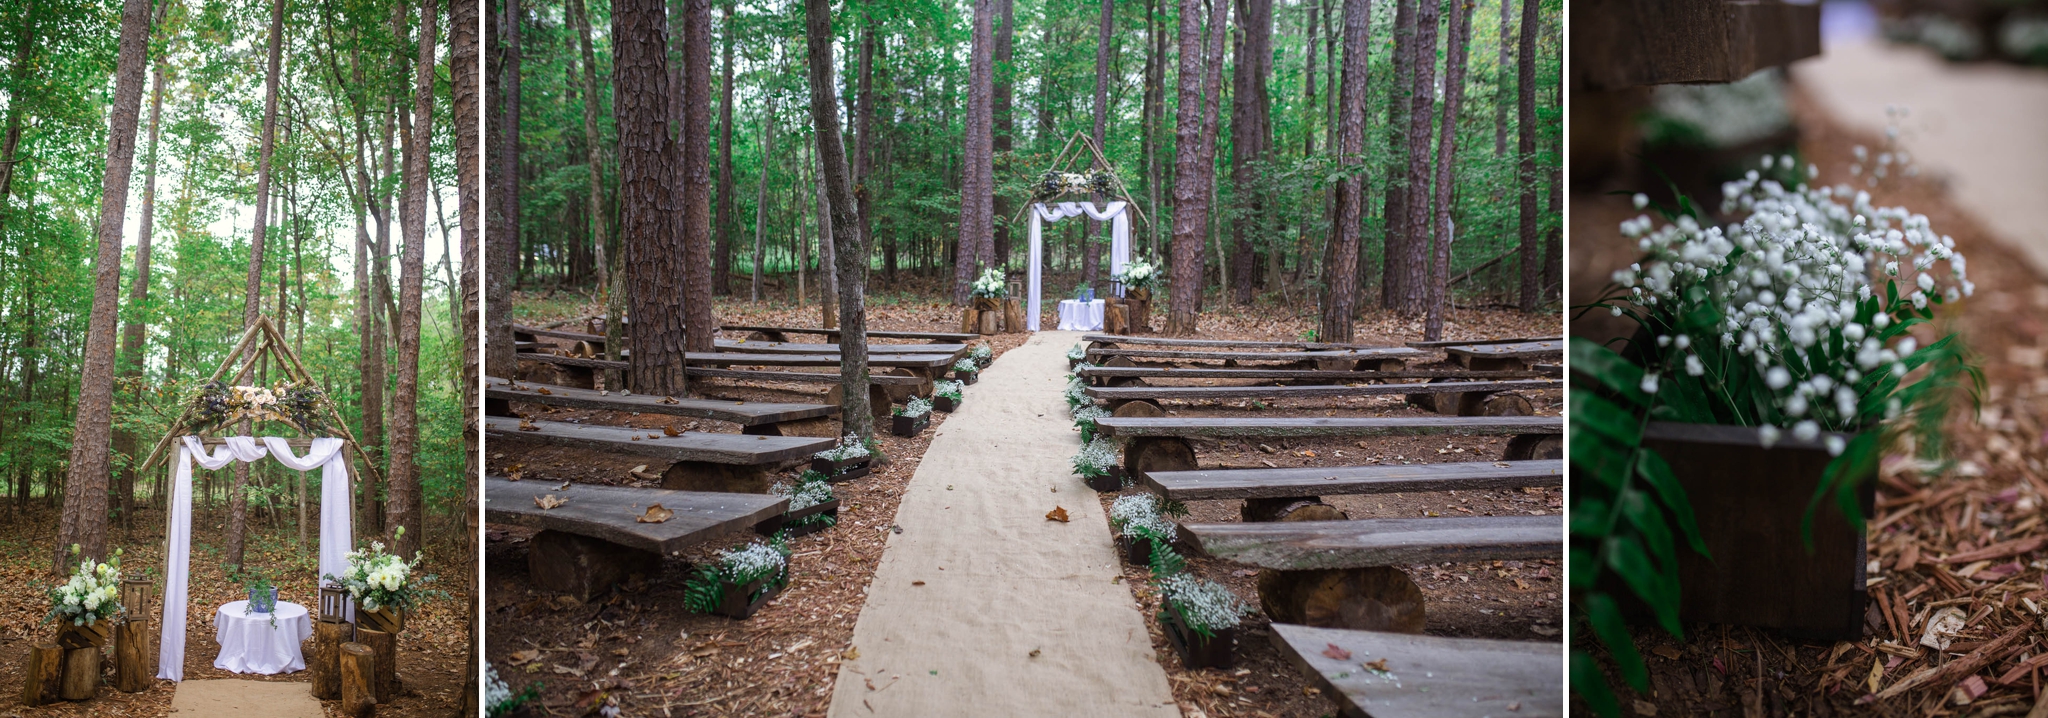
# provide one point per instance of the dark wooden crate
(966, 377)
(87, 636)
(843, 470)
(945, 404)
(906, 426)
(788, 520)
(1108, 483)
(736, 604)
(1219, 652)
(1749, 502)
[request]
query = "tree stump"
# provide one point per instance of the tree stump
(1377, 598)
(131, 670)
(1506, 403)
(970, 320)
(1013, 317)
(1140, 316)
(358, 680)
(384, 647)
(81, 674)
(1157, 453)
(45, 674)
(581, 566)
(1136, 409)
(1125, 363)
(989, 323)
(1534, 446)
(900, 393)
(879, 399)
(1290, 508)
(1115, 318)
(328, 636)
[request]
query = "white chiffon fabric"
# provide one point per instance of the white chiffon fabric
(335, 535)
(1119, 241)
(1079, 316)
(250, 644)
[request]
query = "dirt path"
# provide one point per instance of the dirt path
(1979, 125)
(981, 602)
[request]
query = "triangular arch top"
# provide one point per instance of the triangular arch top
(1082, 148)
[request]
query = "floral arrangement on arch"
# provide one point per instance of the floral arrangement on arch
(1137, 274)
(990, 285)
(92, 593)
(1053, 184)
(294, 403)
(376, 579)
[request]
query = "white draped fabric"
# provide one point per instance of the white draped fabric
(335, 534)
(261, 643)
(1119, 241)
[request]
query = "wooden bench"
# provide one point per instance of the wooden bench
(1326, 355)
(754, 418)
(774, 347)
(1161, 443)
(1467, 343)
(1467, 398)
(1128, 375)
(918, 370)
(1518, 355)
(779, 333)
(1428, 676)
(1209, 484)
(593, 541)
(1120, 339)
(700, 461)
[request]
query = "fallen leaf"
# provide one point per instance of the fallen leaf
(1942, 628)
(655, 514)
(1338, 653)
(527, 425)
(1645, 708)
(549, 501)
(917, 583)
(670, 430)
(851, 653)
(544, 391)
(1057, 514)
(1667, 652)
(1876, 676)
(521, 658)
(1379, 665)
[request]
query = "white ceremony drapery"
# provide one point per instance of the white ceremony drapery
(1119, 241)
(335, 536)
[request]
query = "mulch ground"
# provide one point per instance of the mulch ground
(432, 653)
(1971, 537)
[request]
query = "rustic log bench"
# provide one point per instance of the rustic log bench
(1344, 573)
(1136, 375)
(1161, 443)
(1485, 397)
(701, 461)
(779, 333)
(1120, 339)
(916, 370)
(756, 418)
(594, 541)
(778, 347)
(1470, 343)
(1428, 676)
(1519, 355)
(1337, 355)
(1209, 484)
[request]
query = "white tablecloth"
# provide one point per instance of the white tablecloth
(249, 644)
(1077, 316)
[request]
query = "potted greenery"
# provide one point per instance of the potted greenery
(1201, 618)
(262, 592)
(1076, 395)
(740, 581)
(982, 355)
(1771, 370)
(501, 702)
(849, 460)
(812, 507)
(946, 396)
(1096, 463)
(383, 587)
(910, 418)
(1142, 521)
(1084, 419)
(82, 605)
(965, 371)
(1075, 355)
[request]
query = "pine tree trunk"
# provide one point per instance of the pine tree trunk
(462, 61)
(600, 239)
(1091, 253)
(1525, 120)
(650, 210)
(1185, 278)
(721, 270)
(84, 521)
(1500, 85)
(1458, 35)
(1341, 298)
(1003, 126)
(1553, 249)
(1248, 128)
(501, 239)
(852, 250)
(1212, 105)
(136, 331)
(977, 185)
(700, 328)
(1400, 106)
(761, 198)
(405, 512)
(1408, 245)
(252, 300)
(1308, 83)
(1148, 117)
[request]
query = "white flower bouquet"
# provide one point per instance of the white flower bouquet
(1054, 184)
(499, 700)
(377, 580)
(1141, 516)
(850, 447)
(91, 594)
(966, 365)
(1096, 458)
(1206, 606)
(990, 285)
(1084, 419)
(914, 408)
(704, 591)
(948, 389)
(1137, 274)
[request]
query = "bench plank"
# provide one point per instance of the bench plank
(877, 333)
(1122, 427)
(1167, 342)
(805, 377)
(743, 413)
(1094, 372)
(1470, 343)
(608, 512)
(1285, 392)
(761, 347)
(597, 339)
(1430, 676)
(736, 449)
(1328, 481)
(1360, 543)
(907, 361)
(1518, 350)
(1374, 353)
(560, 360)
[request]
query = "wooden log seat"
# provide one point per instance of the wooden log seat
(757, 418)
(1427, 676)
(700, 461)
(594, 541)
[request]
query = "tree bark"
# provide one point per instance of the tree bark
(1525, 120)
(252, 301)
(406, 509)
(699, 326)
(650, 210)
(1341, 297)
(721, 271)
(1149, 116)
(1400, 101)
(136, 332)
(1500, 85)
(463, 19)
(1458, 35)
(1408, 246)
(977, 185)
(1212, 105)
(84, 521)
(1308, 82)
(1185, 277)
(1248, 130)
(1004, 126)
(593, 142)
(1105, 43)
(501, 239)
(852, 246)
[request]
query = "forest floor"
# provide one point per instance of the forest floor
(431, 650)
(639, 647)
(1992, 498)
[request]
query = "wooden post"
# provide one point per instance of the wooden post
(81, 674)
(45, 674)
(358, 680)
(328, 636)
(988, 322)
(1013, 316)
(131, 668)
(385, 647)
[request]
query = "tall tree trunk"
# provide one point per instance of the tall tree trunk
(1458, 31)
(1308, 82)
(700, 328)
(1148, 117)
(650, 210)
(1105, 41)
(1004, 125)
(593, 143)
(84, 521)
(852, 250)
(1212, 106)
(252, 300)
(24, 54)
(463, 22)
(977, 185)
(406, 511)
(1248, 129)
(1408, 245)
(1189, 211)
(761, 196)
(828, 285)
(136, 332)
(501, 239)
(1500, 83)
(1400, 113)
(1341, 295)
(1525, 120)
(721, 270)
(1553, 249)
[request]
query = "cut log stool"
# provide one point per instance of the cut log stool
(81, 673)
(131, 668)
(328, 637)
(45, 680)
(582, 566)
(358, 680)
(384, 646)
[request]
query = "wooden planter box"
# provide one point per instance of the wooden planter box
(1749, 502)
(1195, 651)
(983, 362)
(736, 604)
(966, 377)
(89, 636)
(945, 404)
(1136, 551)
(844, 470)
(1107, 483)
(788, 521)
(389, 619)
(907, 426)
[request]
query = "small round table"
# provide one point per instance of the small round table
(250, 643)
(1079, 316)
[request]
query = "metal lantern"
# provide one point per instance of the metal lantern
(333, 604)
(135, 592)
